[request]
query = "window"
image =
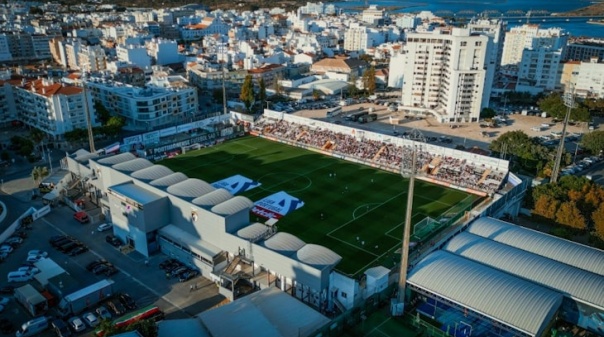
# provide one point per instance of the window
(343, 294)
(478, 43)
(464, 44)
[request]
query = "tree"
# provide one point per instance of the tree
(568, 214)
(316, 94)
(352, 86)
(39, 173)
(487, 113)
(101, 112)
(76, 135)
(554, 106)
(593, 141)
(277, 85)
(247, 92)
(598, 219)
(369, 80)
(546, 206)
(262, 91)
(529, 154)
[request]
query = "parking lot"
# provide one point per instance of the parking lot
(145, 282)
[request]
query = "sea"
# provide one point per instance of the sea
(576, 27)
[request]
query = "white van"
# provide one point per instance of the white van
(19, 276)
(33, 327)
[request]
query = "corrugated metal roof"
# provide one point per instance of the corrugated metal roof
(377, 272)
(284, 243)
(555, 248)
(520, 304)
(252, 231)
(232, 206)
(213, 198)
(152, 173)
(135, 192)
(317, 256)
(206, 249)
(577, 283)
(269, 312)
(118, 158)
(190, 188)
(133, 165)
(169, 180)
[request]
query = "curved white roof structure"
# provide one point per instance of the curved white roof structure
(118, 158)
(232, 206)
(253, 231)
(284, 243)
(565, 251)
(190, 188)
(317, 256)
(510, 300)
(578, 284)
(152, 173)
(213, 198)
(133, 165)
(169, 180)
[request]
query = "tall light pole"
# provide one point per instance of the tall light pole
(88, 117)
(398, 306)
(570, 104)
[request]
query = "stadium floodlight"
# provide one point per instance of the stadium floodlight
(397, 307)
(569, 101)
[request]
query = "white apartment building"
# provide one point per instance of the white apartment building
(396, 71)
(208, 26)
(53, 108)
(529, 36)
(72, 52)
(408, 21)
(5, 54)
(494, 30)
(163, 51)
(8, 111)
(92, 59)
(373, 15)
(133, 54)
(587, 78)
(144, 108)
(357, 38)
(444, 74)
(539, 70)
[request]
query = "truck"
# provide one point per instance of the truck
(84, 298)
(34, 302)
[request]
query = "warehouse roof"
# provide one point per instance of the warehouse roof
(190, 188)
(169, 180)
(232, 206)
(555, 248)
(577, 283)
(132, 165)
(269, 312)
(510, 300)
(317, 256)
(204, 248)
(284, 243)
(134, 192)
(253, 231)
(118, 158)
(152, 173)
(213, 198)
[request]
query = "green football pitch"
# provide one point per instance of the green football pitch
(355, 210)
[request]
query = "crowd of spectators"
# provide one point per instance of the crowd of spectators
(455, 171)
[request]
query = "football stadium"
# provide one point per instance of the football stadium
(317, 210)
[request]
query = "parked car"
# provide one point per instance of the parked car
(37, 252)
(114, 241)
(81, 217)
(14, 239)
(176, 272)
(116, 307)
(103, 312)
(91, 319)
(60, 328)
(59, 242)
(95, 263)
(99, 269)
(34, 258)
(76, 324)
(29, 269)
(167, 263)
(78, 250)
(6, 249)
(127, 301)
(187, 275)
(104, 227)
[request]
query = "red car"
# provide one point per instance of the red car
(81, 217)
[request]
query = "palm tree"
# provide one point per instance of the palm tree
(39, 173)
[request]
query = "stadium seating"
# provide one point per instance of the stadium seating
(450, 170)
